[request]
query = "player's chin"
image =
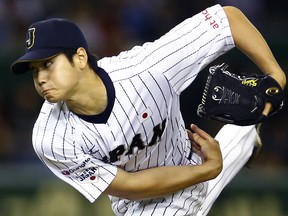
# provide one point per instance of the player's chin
(52, 99)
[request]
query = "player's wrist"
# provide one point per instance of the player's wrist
(213, 168)
(281, 79)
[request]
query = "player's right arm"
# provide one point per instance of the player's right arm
(161, 181)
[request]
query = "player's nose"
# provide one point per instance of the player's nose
(41, 77)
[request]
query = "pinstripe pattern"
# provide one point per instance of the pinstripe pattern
(144, 127)
(236, 150)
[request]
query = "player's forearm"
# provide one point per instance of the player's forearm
(250, 41)
(161, 181)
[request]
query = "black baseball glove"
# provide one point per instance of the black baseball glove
(239, 99)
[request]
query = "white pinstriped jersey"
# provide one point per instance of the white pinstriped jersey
(142, 126)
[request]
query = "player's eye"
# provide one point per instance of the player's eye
(33, 70)
(47, 64)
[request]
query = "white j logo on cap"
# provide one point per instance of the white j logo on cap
(31, 38)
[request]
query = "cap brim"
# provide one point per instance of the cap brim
(21, 65)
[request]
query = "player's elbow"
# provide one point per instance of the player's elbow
(232, 11)
(234, 15)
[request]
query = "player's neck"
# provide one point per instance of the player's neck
(90, 98)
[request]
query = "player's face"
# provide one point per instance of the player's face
(55, 79)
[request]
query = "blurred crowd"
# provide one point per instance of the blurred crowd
(110, 27)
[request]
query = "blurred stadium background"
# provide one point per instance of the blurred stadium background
(27, 188)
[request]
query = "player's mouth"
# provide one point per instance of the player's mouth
(46, 92)
(48, 95)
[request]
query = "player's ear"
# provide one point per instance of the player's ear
(81, 57)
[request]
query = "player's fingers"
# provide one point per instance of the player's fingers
(190, 134)
(267, 109)
(196, 148)
(194, 144)
(201, 133)
(206, 142)
(204, 145)
(193, 136)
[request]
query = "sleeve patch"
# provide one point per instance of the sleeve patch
(211, 20)
(86, 172)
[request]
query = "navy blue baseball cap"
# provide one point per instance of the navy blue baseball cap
(46, 39)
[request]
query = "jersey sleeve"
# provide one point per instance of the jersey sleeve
(190, 46)
(53, 143)
(182, 52)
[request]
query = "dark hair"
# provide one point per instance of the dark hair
(92, 59)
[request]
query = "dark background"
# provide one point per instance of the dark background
(112, 26)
